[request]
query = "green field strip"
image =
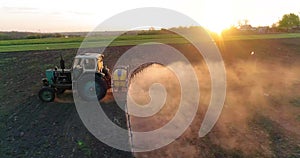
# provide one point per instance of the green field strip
(90, 42)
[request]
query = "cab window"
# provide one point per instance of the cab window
(89, 64)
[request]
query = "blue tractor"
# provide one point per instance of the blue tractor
(88, 75)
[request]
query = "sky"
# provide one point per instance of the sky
(73, 16)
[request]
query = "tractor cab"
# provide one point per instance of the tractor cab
(87, 63)
(90, 78)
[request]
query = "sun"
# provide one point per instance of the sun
(217, 15)
(217, 29)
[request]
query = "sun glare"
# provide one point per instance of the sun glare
(217, 15)
(217, 29)
(214, 15)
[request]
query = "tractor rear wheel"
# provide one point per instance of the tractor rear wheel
(91, 87)
(47, 94)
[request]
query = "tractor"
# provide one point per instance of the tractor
(88, 78)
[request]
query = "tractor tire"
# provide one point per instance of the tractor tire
(92, 87)
(47, 94)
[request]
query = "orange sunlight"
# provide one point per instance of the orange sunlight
(218, 15)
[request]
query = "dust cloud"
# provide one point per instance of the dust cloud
(253, 86)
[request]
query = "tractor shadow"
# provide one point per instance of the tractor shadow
(67, 97)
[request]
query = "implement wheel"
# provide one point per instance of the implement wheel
(47, 94)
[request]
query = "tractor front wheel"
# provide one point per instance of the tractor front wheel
(47, 94)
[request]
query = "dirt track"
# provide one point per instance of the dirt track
(263, 98)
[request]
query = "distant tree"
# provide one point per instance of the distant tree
(274, 25)
(289, 20)
(243, 22)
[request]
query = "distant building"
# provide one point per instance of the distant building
(295, 28)
(247, 28)
(262, 29)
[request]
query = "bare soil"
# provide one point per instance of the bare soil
(260, 118)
